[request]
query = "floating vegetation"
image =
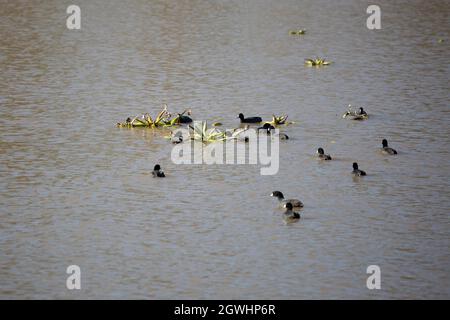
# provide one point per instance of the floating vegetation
(201, 132)
(162, 119)
(216, 124)
(297, 32)
(359, 114)
(317, 62)
(276, 121)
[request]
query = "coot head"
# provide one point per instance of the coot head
(277, 194)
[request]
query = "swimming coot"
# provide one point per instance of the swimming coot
(267, 127)
(322, 155)
(250, 119)
(289, 214)
(387, 149)
(157, 172)
(362, 112)
(356, 171)
(296, 203)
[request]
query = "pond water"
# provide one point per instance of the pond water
(77, 190)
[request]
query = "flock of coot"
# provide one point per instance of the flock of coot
(291, 206)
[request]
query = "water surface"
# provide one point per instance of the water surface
(77, 190)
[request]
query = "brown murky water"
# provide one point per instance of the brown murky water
(77, 190)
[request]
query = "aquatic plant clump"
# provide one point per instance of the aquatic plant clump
(201, 132)
(162, 119)
(317, 62)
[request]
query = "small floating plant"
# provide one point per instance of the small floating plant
(317, 62)
(297, 32)
(276, 121)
